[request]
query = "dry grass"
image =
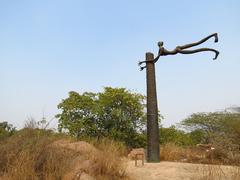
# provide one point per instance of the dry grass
(217, 172)
(172, 152)
(102, 161)
(30, 154)
(34, 154)
(109, 163)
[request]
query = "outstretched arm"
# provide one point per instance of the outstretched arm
(215, 35)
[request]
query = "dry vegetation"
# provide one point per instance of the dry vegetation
(41, 154)
(33, 154)
(172, 152)
(217, 172)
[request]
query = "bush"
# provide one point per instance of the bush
(6, 130)
(175, 136)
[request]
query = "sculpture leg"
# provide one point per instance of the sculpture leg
(215, 35)
(200, 50)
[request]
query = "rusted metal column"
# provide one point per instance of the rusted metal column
(153, 149)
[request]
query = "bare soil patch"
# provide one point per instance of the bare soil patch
(179, 171)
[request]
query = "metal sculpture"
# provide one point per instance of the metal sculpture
(153, 149)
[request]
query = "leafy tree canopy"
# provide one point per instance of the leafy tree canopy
(218, 127)
(116, 113)
(176, 136)
(6, 129)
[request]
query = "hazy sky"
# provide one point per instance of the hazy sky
(51, 47)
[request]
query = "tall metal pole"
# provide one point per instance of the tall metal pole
(153, 149)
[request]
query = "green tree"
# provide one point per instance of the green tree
(174, 135)
(6, 129)
(219, 128)
(197, 136)
(116, 113)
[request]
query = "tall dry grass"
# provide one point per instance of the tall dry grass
(173, 152)
(109, 161)
(208, 171)
(30, 154)
(217, 172)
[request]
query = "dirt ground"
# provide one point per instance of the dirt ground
(178, 171)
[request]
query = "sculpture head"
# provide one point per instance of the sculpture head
(160, 43)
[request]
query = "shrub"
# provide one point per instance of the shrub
(6, 130)
(174, 135)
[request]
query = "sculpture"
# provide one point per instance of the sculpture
(153, 148)
(182, 49)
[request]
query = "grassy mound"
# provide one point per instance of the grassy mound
(41, 154)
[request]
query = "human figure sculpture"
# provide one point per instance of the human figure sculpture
(153, 148)
(182, 49)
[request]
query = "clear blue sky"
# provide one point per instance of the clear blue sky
(51, 47)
